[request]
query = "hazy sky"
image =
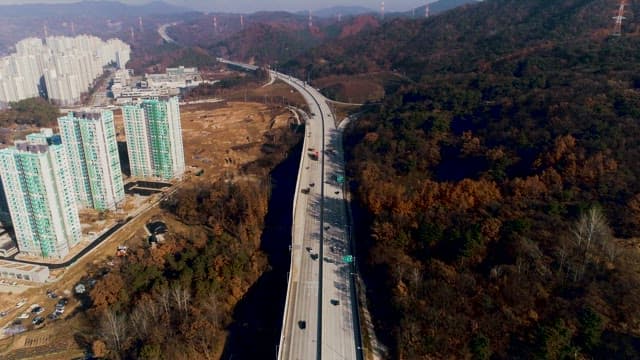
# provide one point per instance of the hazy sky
(255, 5)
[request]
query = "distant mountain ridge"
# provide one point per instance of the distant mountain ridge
(103, 9)
(339, 10)
(442, 6)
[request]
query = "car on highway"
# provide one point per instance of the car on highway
(335, 302)
(302, 324)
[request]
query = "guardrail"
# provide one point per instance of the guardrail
(285, 316)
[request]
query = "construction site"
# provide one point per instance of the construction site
(220, 138)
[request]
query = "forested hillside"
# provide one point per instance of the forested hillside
(500, 191)
(177, 299)
(34, 111)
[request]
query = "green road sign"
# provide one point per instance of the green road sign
(347, 258)
(340, 179)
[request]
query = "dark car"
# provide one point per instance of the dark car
(63, 301)
(37, 320)
(335, 302)
(302, 324)
(37, 310)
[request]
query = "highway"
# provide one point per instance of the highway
(162, 31)
(321, 314)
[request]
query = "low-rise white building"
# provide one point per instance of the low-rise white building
(18, 271)
(171, 83)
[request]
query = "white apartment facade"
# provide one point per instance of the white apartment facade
(38, 185)
(89, 139)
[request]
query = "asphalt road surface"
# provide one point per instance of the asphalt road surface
(320, 320)
(322, 215)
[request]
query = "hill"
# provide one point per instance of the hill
(265, 37)
(498, 188)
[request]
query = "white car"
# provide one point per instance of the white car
(24, 315)
(21, 303)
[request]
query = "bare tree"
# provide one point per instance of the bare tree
(210, 308)
(143, 317)
(164, 297)
(114, 330)
(416, 278)
(591, 228)
(181, 296)
(611, 250)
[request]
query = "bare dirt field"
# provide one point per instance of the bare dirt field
(219, 139)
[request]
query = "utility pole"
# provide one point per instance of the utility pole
(132, 34)
(73, 28)
(617, 30)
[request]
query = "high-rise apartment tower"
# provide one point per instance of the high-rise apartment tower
(154, 138)
(89, 139)
(38, 184)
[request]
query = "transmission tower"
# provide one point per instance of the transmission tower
(132, 34)
(382, 10)
(140, 23)
(617, 29)
(242, 22)
(426, 11)
(46, 32)
(310, 20)
(215, 25)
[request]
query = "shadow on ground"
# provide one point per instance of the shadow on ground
(255, 331)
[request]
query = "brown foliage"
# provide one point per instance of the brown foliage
(107, 292)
